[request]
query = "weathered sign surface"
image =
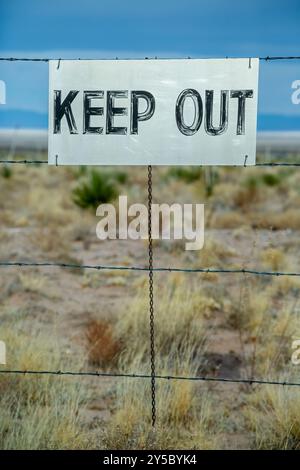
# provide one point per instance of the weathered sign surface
(153, 112)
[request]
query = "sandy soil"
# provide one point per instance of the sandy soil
(63, 300)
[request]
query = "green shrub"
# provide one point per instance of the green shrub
(97, 188)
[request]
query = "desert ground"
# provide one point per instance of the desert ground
(224, 325)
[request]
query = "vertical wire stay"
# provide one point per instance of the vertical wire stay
(151, 299)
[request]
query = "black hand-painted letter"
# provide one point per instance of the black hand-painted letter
(209, 104)
(198, 105)
(89, 111)
(241, 95)
(145, 115)
(111, 111)
(64, 109)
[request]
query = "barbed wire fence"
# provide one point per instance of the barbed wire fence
(262, 164)
(150, 269)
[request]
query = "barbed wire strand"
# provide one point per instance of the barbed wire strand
(262, 164)
(47, 59)
(253, 381)
(147, 268)
(274, 164)
(24, 162)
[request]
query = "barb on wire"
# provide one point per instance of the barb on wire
(147, 268)
(203, 378)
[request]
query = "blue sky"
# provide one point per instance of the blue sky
(165, 28)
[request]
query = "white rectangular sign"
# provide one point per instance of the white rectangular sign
(153, 112)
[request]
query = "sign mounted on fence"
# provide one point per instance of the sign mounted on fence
(153, 112)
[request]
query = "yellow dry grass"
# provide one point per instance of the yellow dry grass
(180, 311)
(185, 418)
(38, 412)
(43, 412)
(273, 415)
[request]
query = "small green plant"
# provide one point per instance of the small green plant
(6, 172)
(271, 179)
(211, 177)
(80, 171)
(252, 183)
(97, 188)
(187, 174)
(121, 177)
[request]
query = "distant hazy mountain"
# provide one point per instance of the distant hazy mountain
(15, 118)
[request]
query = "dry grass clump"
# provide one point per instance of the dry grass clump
(282, 286)
(248, 312)
(33, 282)
(286, 219)
(46, 199)
(273, 415)
(180, 310)
(38, 412)
(266, 327)
(185, 419)
(103, 347)
(51, 240)
(95, 280)
(248, 194)
(214, 254)
(274, 258)
(228, 219)
(272, 342)
(49, 206)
